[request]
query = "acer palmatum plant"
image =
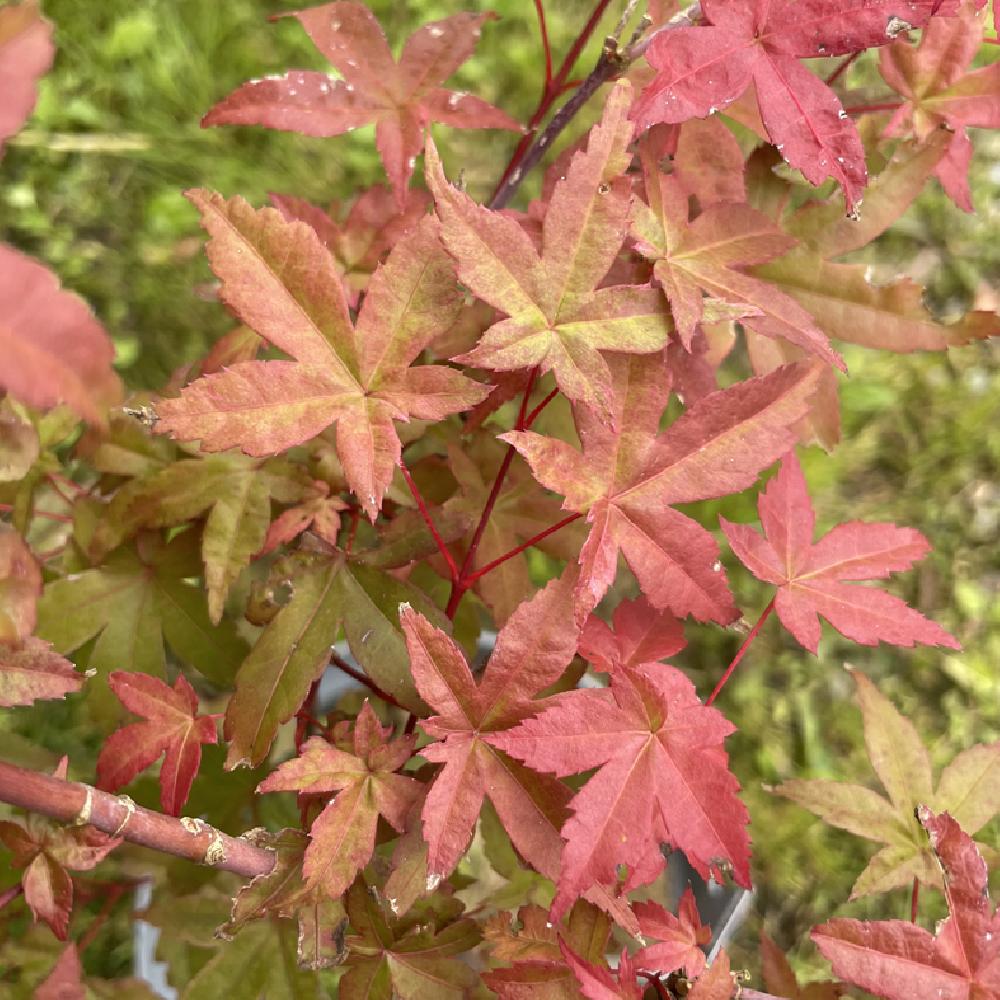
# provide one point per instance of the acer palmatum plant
(423, 391)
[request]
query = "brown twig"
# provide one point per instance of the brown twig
(341, 664)
(72, 802)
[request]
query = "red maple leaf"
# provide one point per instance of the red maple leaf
(629, 475)
(902, 961)
(705, 68)
(939, 91)
(662, 777)
(280, 279)
(532, 650)
(47, 852)
(342, 836)
(54, 350)
(809, 577)
(26, 52)
(399, 98)
(172, 727)
(598, 982)
(641, 635)
(681, 938)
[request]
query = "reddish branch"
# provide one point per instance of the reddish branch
(741, 652)
(554, 87)
(341, 664)
(429, 521)
(66, 801)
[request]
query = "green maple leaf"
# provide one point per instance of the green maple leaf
(328, 593)
(261, 961)
(968, 789)
(283, 892)
(232, 492)
(393, 958)
(557, 317)
(134, 603)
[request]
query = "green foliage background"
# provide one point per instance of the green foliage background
(93, 187)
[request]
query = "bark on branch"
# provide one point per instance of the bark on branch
(73, 802)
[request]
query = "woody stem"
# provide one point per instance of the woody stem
(72, 802)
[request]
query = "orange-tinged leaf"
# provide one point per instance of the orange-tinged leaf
(342, 837)
(556, 317)
(45, 851)
(172, 728)
(20, 587)
(34, 671)
(279, 278)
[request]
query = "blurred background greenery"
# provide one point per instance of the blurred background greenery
(93, 186)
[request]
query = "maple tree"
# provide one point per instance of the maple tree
(443, 468)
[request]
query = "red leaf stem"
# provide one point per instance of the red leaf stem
(303, 717)
(530, 419)
(9, 895)
(64, 801)
(842, 68)
(429, 521)
(546, 46)
(867, 109)
(342, 665)
(741, 652)
(534, 540)
(114, 893)
(461, 580)
(914, 899)
(65, 518)
(555, 86)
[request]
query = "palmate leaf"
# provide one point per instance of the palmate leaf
(279, 278)
(132, 604)
(703, 69)
(392, 958)
(232, 492)
(627, 478)
(33, 671)
(342, 837)
(902, 961)
(533, 649)
(327, 593)
(48, 852)
(172, 727)
(680, 939)
(662, 778)
(968, 789)
(710, 255)
(557, 316)
(810, 576)
(399, 97)
(939, 89)
(261, 961)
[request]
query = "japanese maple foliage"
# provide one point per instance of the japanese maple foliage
(419, 530)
